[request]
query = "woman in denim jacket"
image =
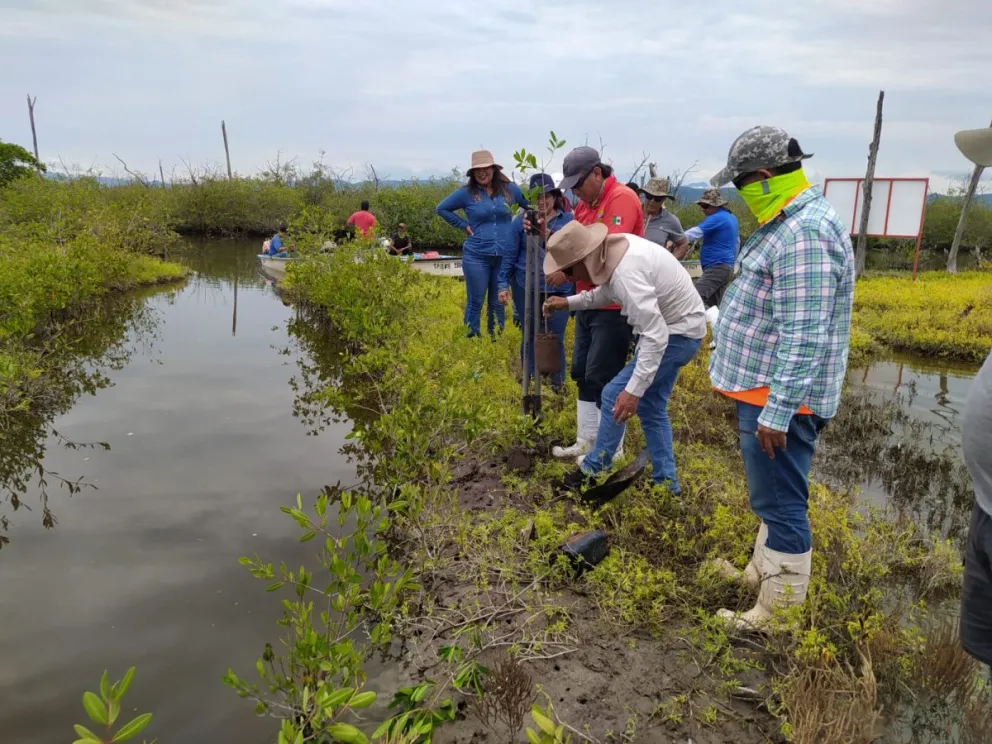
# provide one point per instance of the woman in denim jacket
(485, 200)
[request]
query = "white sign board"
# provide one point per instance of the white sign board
(897, 205)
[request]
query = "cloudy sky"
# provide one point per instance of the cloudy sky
(413, 87)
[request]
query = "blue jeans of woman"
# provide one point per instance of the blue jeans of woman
(556, 324)
(652, 411)
(482, 285)
(779, 489)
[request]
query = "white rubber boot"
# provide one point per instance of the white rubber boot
(750, 575)
(712, 316)
(617, 455)
(784, 583)
(586, 425)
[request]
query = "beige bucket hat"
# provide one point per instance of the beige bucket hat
(592, 246)
(976, 145)
(484, 159)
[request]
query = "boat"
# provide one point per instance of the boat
(694, 268)
(435, 263)
(274, 267)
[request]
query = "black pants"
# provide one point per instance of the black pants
(713, 283)
(602, 345)
(976, 591)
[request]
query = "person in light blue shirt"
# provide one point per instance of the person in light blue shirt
(513, 273)
(721, 237)
(485, 201)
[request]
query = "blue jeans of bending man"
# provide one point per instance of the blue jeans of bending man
(652, 411)
(556, 324)
(779, 489)
(482, 285)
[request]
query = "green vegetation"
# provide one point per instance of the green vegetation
(104, 709)
(15, 163)
(939, 316)
(462, 487)
(63, 247)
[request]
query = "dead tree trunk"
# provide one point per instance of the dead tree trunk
(161, 173)
(862, 249)
(952, 257)
(227, 151)
(34, 131)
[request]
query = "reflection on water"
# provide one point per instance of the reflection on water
(143, 570)
(933, 393)
(897, 434)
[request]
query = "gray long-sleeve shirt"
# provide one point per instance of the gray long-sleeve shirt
(657, 297)
(976, 435)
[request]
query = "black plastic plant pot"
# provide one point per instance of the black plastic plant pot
(584, 550)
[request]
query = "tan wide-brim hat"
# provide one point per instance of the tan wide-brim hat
(657, 187)
(571, 244)
(712, 198)
(484, 159)
(976, 145)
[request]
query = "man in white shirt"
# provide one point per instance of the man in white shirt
(656, 295)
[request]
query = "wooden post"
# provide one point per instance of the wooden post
(161, 173)
(952, 257)
(227, 151)
(34, 131)
(862, 249)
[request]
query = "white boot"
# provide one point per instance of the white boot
(619, 453)
(784, 582)
(750, 574)
(712, 316)
(586, 425)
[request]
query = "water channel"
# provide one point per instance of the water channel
(204, 449)
(143, 571)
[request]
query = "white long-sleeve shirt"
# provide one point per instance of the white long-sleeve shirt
(657, 297)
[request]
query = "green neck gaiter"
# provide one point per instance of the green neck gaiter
(766, 199)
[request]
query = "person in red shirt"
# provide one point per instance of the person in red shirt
(363, 219)
(602, 337)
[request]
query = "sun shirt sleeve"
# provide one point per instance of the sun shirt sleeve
(639, 302)
(592, 299)
(802, 301)
(446, 209)
(517, 243)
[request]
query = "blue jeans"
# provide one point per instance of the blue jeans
(779, 489)
(482, 279)
(652, 410)
(602, 343)
(556, 324)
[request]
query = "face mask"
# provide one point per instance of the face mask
(766, 199)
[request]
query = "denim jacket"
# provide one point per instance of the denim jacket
(489, 217)
(514, 264)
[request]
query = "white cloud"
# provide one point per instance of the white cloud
(415, 87)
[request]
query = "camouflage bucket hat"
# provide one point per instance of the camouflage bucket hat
(757, 148)
(657, 187)
(712, 198)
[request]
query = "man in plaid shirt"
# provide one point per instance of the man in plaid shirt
(782, 343)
